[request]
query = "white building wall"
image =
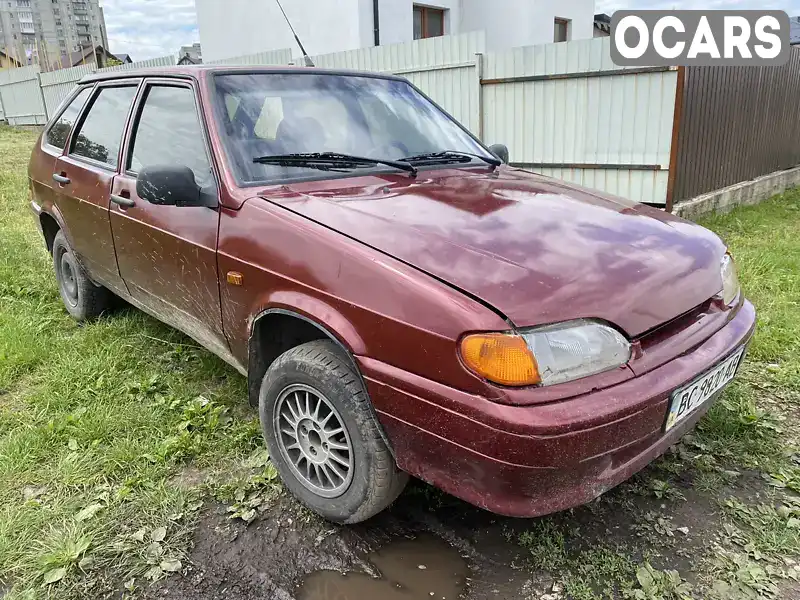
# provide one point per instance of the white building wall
(397, 18)
(514, 23)
(237, 27)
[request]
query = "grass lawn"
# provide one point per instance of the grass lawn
(97, 423)
(113, 435)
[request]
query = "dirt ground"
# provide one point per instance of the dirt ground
(288, 553)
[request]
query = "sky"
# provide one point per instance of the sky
(152, 28)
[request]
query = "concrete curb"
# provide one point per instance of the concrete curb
(745, 192)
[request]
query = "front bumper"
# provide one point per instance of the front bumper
(532, 460)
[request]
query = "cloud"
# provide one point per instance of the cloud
(150, 28)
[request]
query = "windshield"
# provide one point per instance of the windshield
(272, 114)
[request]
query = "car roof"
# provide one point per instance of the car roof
(193, 71)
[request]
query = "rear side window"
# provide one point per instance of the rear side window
(169, 132)
(100, 135)
(59, 133)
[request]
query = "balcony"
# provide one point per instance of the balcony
(26, 27)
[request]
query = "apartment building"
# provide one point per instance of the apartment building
(41, 31)
(237, 27)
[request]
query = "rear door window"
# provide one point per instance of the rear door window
(169, 132)
(99, 137)
(58, 134)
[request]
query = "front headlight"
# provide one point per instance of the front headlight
(730, 280)
(546, 355)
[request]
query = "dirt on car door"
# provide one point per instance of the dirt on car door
(167, 254)
(82, 181)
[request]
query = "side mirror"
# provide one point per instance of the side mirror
(500, 151)
(170, 185)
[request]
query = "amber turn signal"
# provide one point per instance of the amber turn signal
(500, 357)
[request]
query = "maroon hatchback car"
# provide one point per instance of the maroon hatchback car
(400, 300)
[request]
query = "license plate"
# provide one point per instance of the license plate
(685, 400)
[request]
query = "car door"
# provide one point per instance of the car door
(83, 176)
(167, 254)
(53, 144)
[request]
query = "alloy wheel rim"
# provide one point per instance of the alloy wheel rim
(313, 440)
(69, 282)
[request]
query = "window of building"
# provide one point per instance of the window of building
(428, 22)
(59, 132)
(561, 30)
(100, 135)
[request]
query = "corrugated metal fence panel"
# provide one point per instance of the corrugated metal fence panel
(272, 57)
(162, 61)
(571, 126)
(456, 88)
(636, 185)
(56, 85)
(22, 97)
(445, 68)
(738, 123)
(430, 52)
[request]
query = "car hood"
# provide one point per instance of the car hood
(536, 249)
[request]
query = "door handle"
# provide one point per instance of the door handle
(122, 201)
(60, 179)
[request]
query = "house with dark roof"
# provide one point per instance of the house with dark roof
(87, 55)
(7, 61)
(602, 25)
(188, 60)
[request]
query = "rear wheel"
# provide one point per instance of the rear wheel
(323, 437)
(82, 299)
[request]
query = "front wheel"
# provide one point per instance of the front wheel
(323, 437)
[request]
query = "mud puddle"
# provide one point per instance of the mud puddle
(425, 567)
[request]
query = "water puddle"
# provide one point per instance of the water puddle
(423, 568)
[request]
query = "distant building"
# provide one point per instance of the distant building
(40, 31)
(98, 56)
(124, 58)
(794, 30)
(602, 25)
(238, 27)
(190, 55)
(8, 62)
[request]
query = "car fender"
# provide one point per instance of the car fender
(315, 311)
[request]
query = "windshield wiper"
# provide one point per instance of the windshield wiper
(450, 156)
(329, 161)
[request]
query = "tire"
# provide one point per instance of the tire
(372, 480)
(82, 298)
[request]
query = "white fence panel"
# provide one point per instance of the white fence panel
(445, 68)
(56, 85)
(273, 57)
(21, 96)
(565, 110)
(163, 61)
